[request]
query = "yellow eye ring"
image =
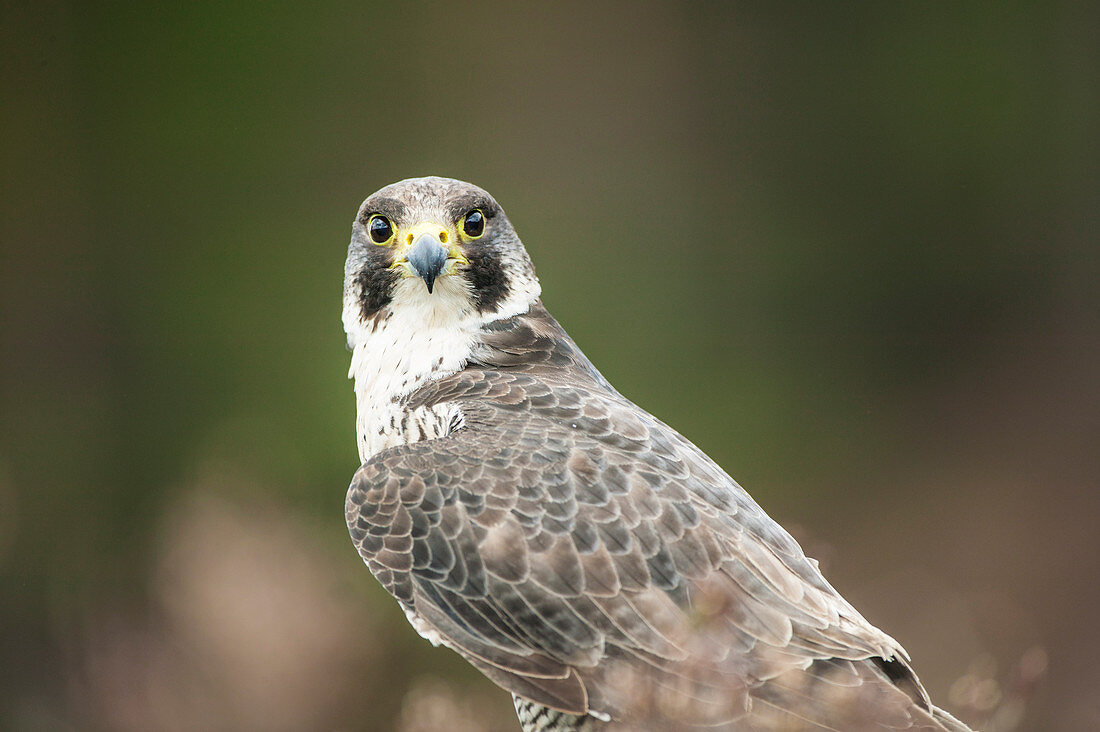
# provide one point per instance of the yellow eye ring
(473, 224)
(380, 229)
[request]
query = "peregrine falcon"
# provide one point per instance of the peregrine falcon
(575, 549)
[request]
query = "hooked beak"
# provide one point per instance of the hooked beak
(428, 253)
(427, 258)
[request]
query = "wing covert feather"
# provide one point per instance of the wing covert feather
(563, 532)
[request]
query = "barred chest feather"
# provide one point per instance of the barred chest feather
(391, 359)
(418, 338)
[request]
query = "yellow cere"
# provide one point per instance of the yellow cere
(426, 227)
(404, 238)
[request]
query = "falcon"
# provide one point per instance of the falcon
(575, 549)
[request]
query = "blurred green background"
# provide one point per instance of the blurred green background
(850, 252)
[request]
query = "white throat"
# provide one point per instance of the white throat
(420, 337)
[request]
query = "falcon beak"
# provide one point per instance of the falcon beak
(428, 251)
(425, 253)
(427, 258)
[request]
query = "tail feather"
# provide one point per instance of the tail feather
(948, 722)
(844, 695)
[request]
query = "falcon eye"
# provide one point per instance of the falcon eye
(473, 225)
(381, 230)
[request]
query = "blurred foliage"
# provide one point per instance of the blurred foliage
(851, 252)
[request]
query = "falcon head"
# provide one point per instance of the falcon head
(438, 249)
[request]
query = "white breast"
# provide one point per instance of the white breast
(421, 337)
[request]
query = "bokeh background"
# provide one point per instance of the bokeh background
(851, 252)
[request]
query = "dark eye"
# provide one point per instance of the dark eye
(473, 225)
(381, 230)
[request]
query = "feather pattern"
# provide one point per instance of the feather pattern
(570, 545)
(575, 549)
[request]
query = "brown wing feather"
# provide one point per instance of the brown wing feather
(576, 549)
